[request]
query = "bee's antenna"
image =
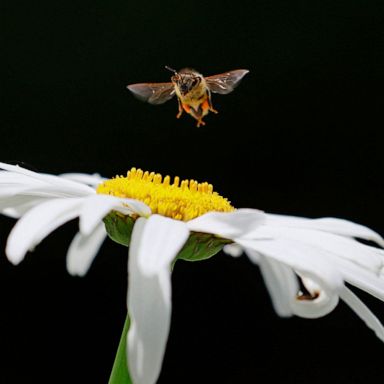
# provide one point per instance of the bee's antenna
(171, 69)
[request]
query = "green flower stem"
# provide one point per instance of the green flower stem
(120, 374)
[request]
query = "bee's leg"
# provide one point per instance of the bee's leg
(180, 109)
(200, 122)
(210, 104)
(197, 115)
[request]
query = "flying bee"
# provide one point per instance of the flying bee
(192, 89)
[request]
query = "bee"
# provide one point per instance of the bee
(192, 89)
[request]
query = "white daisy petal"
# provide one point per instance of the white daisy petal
(23, 206)
(53, 191)
(15, 213)
(327, 224)
(320, 304)
(92, 180)
(314, 263)
(154, 244)
(9, 191)
(95, 208)
(228, 225)
(38, 223)
(161, 240)
(12, 179)
(83, 250)
(64, 191)
(281, 282)
(76, 188)
(283, 288)
(79, 188)
(361, 278)
(368, 257)
(315, 308)
(16, 169)
(19, 203)
(363, 312)
(43, 190)
(233, 250)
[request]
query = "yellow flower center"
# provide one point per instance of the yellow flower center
(183, 200)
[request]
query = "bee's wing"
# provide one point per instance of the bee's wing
(153, 93)
(225, 82)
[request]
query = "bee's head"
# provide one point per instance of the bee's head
(186, 80)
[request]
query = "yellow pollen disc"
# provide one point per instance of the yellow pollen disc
(181, 200)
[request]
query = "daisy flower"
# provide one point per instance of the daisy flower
(305, 263)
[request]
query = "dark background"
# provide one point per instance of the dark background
(302, 135)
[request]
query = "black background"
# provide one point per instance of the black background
(302, 135)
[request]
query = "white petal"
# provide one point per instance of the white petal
(368, 257)
(154, 244)
(327, 224)
(97, 207)
(322, 304)
(283, 288)
(15, 180)
(363, 312)
(92, 180)
(228, 225)
(134, 207)
(361, 278)
(16, 206)
(77, 188)
(13, 213)
(12, 182)
(160, 241)
(233, 250)
(50, 191)
(15, 183)
(38, 223)
(281, 283)
(16, 169)
(61, 190)
(83, 250)
(313, 263)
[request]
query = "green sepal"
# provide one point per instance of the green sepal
(199, 246)
(119, 228)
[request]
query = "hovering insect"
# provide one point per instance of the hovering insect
(192, 89)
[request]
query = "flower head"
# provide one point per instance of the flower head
(161, 222)
(183, 200)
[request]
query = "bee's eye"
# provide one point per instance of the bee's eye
(195, 81)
